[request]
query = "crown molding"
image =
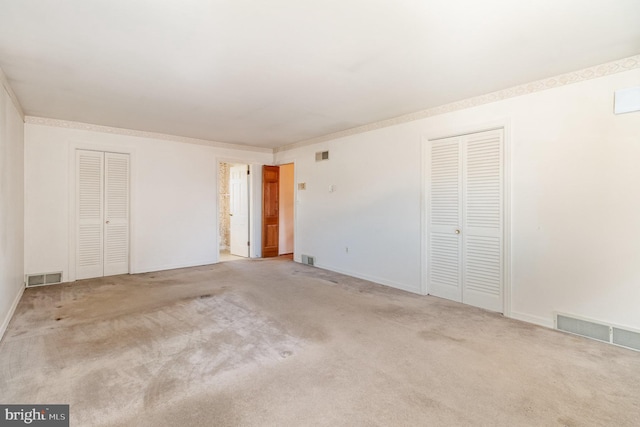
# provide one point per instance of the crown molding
(7, 87)
(613, 67)
(140, 134)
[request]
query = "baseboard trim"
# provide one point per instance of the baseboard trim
(12, 310)
(376, 280)
(175, 266)
(536, 320)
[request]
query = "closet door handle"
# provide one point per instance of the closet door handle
(457, 231)
(107, 222)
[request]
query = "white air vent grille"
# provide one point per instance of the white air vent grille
(309, 260)
(43, 279)
(583, 327)
(625, 338)
(599, 331)
(322, 155)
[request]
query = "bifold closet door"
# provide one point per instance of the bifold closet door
(116, 203)
(465, 234)
(102, 191)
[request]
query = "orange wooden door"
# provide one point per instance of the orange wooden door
(270, 218)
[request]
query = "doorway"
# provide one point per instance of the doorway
(466, 203)
(234, 223)
(286, 202)
(102, 214)
(278, 210)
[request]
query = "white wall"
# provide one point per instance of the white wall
(285, 210)
(574, 211)
(173, 206)
(11, 208)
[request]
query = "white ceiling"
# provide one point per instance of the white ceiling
(270, 73)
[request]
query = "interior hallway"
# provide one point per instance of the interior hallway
(276, 343)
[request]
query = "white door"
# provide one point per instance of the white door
(465, 235)
(116, 214)
(102, 237)
(239, 210)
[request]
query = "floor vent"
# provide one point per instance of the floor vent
(43, 279)
(309, 260)
(599, 331)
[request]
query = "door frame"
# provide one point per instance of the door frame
(247, 177)
(255, 237)
(73, 146)
(453, 131)
(295, 204)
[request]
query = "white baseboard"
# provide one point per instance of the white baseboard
(12, 310)
(536, 320)
(175, 266)
(377, 280)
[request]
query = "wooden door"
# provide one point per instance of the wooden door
(270, 217)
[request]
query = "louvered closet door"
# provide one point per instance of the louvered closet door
(102, 245)
(116, 202)
(483, 220)
(445, 216)
(465, 247)
(90, 207)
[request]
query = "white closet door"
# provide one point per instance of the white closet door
(465, 235)
(116, 226)
(90, 196)
(445, 216)
(102, 236)
(483, 220)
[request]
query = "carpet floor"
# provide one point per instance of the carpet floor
(276, 343)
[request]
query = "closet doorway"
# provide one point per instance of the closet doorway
(466, 233)
(102, 214)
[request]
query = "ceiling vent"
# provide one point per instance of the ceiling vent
(322, 155)
(43, 279)
(599, 331)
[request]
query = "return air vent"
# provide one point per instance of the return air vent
(309, 260)
(322, 155)
(599, 331)
(625, 338)
(43, 279)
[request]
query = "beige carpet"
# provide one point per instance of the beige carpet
(274, 343)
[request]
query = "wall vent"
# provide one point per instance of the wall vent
(43, 279)
(322, 155)
(599, 331)
(309, 260)
(625, 338)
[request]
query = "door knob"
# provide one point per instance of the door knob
(457, 231)
(107, 222)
